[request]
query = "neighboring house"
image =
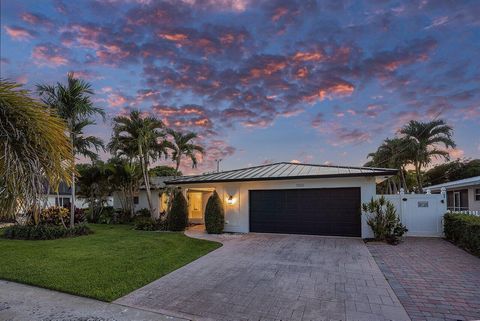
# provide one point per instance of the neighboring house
(159, 198)
(288, 198)
(462, 195)
(64, 198)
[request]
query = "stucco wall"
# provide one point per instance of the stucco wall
(237, 214)
(142, 201)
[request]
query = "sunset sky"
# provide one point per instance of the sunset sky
(261, 81)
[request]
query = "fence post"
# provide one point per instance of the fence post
(401, 195)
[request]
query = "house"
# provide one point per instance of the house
(287, 198)
(140, 201)
(63, 197)
(462, 195)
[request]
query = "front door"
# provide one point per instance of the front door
(195, 207)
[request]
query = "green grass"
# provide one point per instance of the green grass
(106, 265)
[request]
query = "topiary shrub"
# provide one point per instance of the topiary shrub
(463, 230)
(177, 218)
(214, 215)
(383, 220)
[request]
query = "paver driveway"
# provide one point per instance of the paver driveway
(434, 279)
(275, 277)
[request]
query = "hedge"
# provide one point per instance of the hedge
(44, 232)
(177, 218)
(214, 215)
(463, 230)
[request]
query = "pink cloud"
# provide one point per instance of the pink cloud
(19, 33)
(49, 54)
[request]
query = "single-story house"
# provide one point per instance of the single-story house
(140, 201)
(462, 195)
(63, 197)
(288, 198)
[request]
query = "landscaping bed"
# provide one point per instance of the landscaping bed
(105, 265)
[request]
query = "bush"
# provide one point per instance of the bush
(149, 224)
(79, 216)
(107, 216)
(214, 215)
(177, 218)
(463, 230)
(383, 220)
(54, 215)
(144, 212)
(44, 232)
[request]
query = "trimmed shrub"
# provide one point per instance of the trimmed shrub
(44, 232)
(463, 230)
(214, 215)
(144, 212)
(383, 220)
(54, 215)
(177, 218)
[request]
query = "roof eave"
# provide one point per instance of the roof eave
(386, 173)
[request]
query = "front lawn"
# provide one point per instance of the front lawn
(106, 265)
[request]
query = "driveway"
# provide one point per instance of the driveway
(275, 277)
(434, 279)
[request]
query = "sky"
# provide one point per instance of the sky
(321, 82)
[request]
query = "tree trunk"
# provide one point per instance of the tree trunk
(404, 181)
(72, 205)
(417, 174)
(146, 180)
(178, 165)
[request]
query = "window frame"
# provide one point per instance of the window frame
(476, 193)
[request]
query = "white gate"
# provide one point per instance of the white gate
(422, 214)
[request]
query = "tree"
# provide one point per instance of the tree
(126, 176)
(177, 218)
(94, 184)
(73, 103)
(452, 171)
(164, 171)
(214, 215)
(140, 138)
(183, 145)
(425, 140)
(34, 148)
(393, 153)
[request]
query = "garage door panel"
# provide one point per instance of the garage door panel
(326, 211)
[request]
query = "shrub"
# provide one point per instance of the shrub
(144, 212)
(44, 232)
(214, 215)
(463, 230)
(383, 220)
(79, 216)
(177, 218)
(54, 215)
(149, 224)
(107, 216)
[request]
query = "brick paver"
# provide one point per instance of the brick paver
(433, 279)
(268, 277)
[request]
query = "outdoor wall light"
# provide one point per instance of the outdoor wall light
(230, 200)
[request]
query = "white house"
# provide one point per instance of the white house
(462, 195)
(64, 198)
(140, 201)
(288, 198)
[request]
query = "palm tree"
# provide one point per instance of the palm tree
(425, 139)
(140, 138)
(72, 102)
(125, 177)
(182, 145)
(35, 151)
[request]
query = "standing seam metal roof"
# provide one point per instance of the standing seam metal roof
(283, 170)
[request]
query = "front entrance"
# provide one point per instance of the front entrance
(197, 200)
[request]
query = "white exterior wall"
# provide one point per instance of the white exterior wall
(79, 202)
(237, 214)
(473, 205)
(142, 201)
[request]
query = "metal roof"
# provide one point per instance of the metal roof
(157, 182)
(471, 181)
(283, 171)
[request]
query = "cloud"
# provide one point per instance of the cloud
(19, 33)
(50, 55)
(456, 153)
(36, 19)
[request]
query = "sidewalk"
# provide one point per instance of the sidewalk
(20, 302)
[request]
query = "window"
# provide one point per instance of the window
(477, 194)
(135, 200)
(62, 201)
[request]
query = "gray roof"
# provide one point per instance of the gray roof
(471, 181)
(278, 171)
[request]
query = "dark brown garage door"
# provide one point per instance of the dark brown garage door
(325, 211)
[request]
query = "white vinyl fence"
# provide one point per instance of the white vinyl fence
(477, 213)
(422, 214)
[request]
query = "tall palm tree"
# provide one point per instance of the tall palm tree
(425, 140)
(34, 149)
(125, 177)
(141, 138)
(73, 103)
(183, 145)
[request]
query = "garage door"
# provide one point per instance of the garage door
(325, 211)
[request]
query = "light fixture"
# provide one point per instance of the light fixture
(230, 200)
